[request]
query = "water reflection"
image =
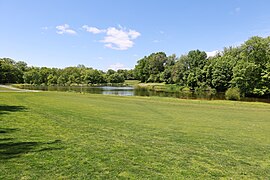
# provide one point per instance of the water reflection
(120, 91)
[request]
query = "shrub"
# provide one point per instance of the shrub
(233, 94)
(186, 89)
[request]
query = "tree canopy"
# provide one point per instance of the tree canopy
(18, 72)
(245, 67)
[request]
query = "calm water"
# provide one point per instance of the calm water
(131, 91)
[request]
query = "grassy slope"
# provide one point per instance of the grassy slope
(66, 135)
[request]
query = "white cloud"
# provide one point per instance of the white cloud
(65, 29)
(119, 39)
(133, 34)
(212, 53)
(115, 38)
(93, 30)
(156, 41)
(100, 58)
(117, 66)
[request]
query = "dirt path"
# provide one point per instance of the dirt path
(13, 89)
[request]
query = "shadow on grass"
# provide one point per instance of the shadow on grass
(10, 149)
(4, 109)
(7, 130)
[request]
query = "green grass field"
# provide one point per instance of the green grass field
(54, 135)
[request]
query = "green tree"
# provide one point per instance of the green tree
(116, 78)
(10, 71)
(33, 76)
(93, 76)
(193, 65)
(219, 72)
(250, 72)
(141, 70)
(52, 79)
(149, 68)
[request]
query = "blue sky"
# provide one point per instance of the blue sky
(116, 33)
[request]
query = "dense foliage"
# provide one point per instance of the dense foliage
(11, 71)
(246, 67)
(19, 72)
(232, 94)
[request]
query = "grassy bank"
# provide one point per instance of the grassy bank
(53, 135)
(132, 82)
(163, 87)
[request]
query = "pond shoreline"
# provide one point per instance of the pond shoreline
(137, 90)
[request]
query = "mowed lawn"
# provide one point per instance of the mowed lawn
(56, 135)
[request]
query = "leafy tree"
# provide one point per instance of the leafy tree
(130, 75)
(250, 72)
(245, 76)
(193, 65)
(141, 70)
(10, 71)
(196, 59)
(110, 72)
(256, 50)
(178, 71)
(116, 78)
(33, 76)
(166, 75)
(149, 68)
(92, 76)
(61, 80)
(51, 79)
(219, 72)
(156, 62)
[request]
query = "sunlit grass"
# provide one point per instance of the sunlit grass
(53, 135)
(132, 82)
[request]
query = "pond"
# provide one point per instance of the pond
(132, 91)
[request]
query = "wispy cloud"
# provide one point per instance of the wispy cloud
(117, 66)
(93, 30)
(115, 38)
(156, 41)
(65, 29)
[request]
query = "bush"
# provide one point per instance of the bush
(186, 89)
(233, 94)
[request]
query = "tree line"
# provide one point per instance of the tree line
(246, 67)
(18, 72)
